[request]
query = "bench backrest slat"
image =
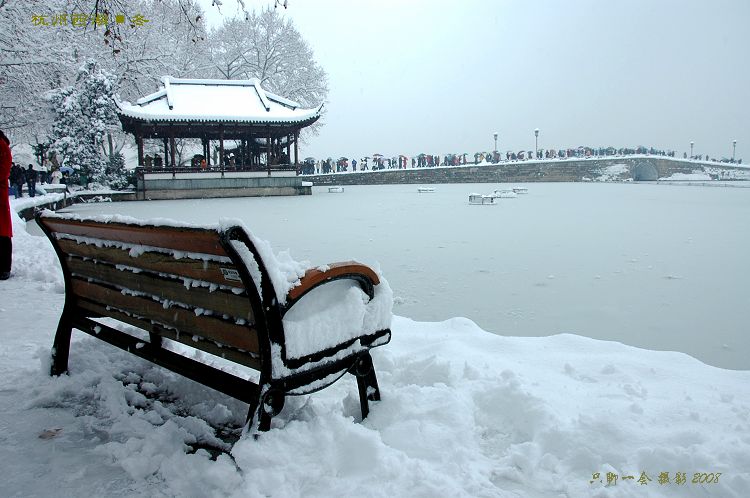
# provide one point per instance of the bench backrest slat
(198, 269)
(165, 289)
(173, 238)
(217, 329)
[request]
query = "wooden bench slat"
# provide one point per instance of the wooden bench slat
(238, 336)
(206, 270)
(227, 353)
(175, 238)
(219, 301)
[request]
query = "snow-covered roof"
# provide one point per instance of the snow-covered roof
(237, 101)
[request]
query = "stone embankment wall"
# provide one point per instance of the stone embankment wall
(205, 188)
(642, 168)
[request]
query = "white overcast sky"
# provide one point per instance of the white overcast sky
(440, 76)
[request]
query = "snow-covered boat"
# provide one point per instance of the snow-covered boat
(504, 194)
(425, 190)
(521, 190)
(482, 199)
(336, 190)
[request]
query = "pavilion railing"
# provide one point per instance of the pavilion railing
(213, 168)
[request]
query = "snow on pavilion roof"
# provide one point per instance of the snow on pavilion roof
(242, 101)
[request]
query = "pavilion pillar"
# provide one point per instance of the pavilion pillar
(172, 152)
(166, 153)
(268, 155)
(251, 153)
(221, 150)
(208, 152)
(296, 149)
(289, 148)
(139, 142)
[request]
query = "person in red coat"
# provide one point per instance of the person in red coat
(6, 228)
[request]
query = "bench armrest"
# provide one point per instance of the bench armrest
(314, 277)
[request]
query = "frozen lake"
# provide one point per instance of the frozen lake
(656, 266)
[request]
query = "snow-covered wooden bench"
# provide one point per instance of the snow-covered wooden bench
(221, 291)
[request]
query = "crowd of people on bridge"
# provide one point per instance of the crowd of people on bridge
(380, 162)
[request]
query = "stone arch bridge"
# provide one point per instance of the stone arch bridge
(629, 168)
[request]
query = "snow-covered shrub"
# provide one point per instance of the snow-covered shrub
(84, 112)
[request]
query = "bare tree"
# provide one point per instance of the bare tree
(267, 46)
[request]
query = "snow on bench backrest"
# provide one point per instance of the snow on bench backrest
(174, 281)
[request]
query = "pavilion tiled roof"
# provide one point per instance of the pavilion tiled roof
(223, 101)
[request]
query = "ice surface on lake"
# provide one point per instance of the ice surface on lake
(655, 266)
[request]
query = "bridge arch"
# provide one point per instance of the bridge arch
(645, 172)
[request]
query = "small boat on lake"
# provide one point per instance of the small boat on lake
(485, 200)
(425, 190)
(521, 190)
(336, 190)
(504, 194)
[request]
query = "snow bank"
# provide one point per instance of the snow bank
(463, 413)
(613, 173)
(695, 175)
(467, 413)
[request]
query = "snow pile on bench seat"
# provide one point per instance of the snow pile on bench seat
(335, 313)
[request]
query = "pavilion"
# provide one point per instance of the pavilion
(263, 126)
(221, 110)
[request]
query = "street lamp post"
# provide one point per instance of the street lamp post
(691, 149)
(734, 148)
(536, 142)
(495, 135)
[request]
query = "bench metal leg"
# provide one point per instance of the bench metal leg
(61, 345)
(269, 404)
(367, 383)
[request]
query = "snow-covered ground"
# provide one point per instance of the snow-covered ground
(464, 413)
